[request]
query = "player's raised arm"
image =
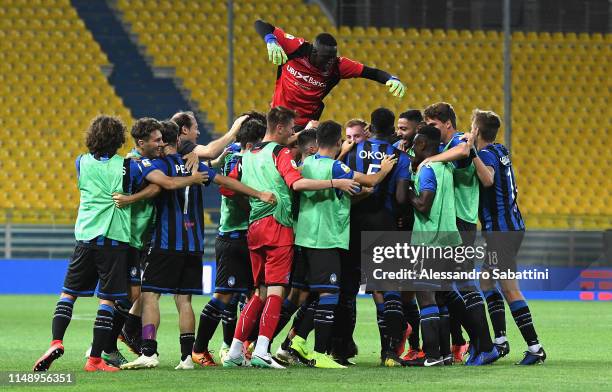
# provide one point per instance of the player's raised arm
(396, 87)
(276, 52)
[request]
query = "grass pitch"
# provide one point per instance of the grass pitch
(576, 337)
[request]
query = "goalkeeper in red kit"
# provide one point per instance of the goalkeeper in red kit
(307, 71)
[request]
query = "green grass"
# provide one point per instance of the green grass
(576, 337)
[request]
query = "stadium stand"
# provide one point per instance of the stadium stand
(554, 75)
(51, 86)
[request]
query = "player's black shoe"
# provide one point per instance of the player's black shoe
(425, 362)
(449, 360)
(533, 358)
(391, 359)
(503, 349)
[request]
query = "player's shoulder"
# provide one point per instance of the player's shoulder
(339, 166)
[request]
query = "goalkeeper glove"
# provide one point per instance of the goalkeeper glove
(276, 54)
(396, 87)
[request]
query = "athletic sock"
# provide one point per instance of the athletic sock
(133, 325)
(324, 321)
(457, 313)
(430, 330)
(411, 315)
(209, 320)
(149, 347)
(522, 318)
(149, 344)
(103, 326)
(270, 316)
(394, 319)
(307, 323)
(122, 309)
(268, 323)
(497, 313)
(299, 316)
(228, 319)
(380, 321)
(186, 340)
(248, 318)
(61, 318)
(287, 310)
(445, 338)
(476, 322)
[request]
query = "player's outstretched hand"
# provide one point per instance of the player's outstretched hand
(396, 87)
(237, 123)
(346, 185)
(121, 200)
(387, 163)
(312, 124)
(198, 178)
(347, 146)
(276, 54)
(191, 161)
(267, 197)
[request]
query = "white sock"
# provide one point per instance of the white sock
(501, 340)
(534, 348)
(261, 348)
(235, 349)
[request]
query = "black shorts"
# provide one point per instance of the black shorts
(323, 268)
(299, 273)
(172, 272)
(468, 232)
(234, 273)
(502, 248)
(91, 265)
(379, 219)
(134, 268)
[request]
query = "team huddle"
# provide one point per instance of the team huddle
(295, 201)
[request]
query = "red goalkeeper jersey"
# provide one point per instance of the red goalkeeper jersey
(301, 86)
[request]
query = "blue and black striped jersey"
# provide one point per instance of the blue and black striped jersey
(365, 157)
(179, 222)
(498, 205)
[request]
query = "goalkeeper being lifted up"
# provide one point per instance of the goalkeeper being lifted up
(308, 72)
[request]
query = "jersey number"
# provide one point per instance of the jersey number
(512, 188)
(373, 168)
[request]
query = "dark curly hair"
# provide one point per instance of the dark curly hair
(106, 134)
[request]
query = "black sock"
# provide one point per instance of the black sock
(412, 317)
(149, 347)
(287, 310)
(445, 343)
(457, 312)
(430, 331)
(522, 318)
(229, 319)
(343, 319)
(497, 312)
(187, 340)
(476, 321)
(209, 320)
(122, 309)
(299, 316)
(307, 323)
(132, 326)
(382, 331)
(103, 327)
(324, 321)
(394, 319)
(61, 318)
